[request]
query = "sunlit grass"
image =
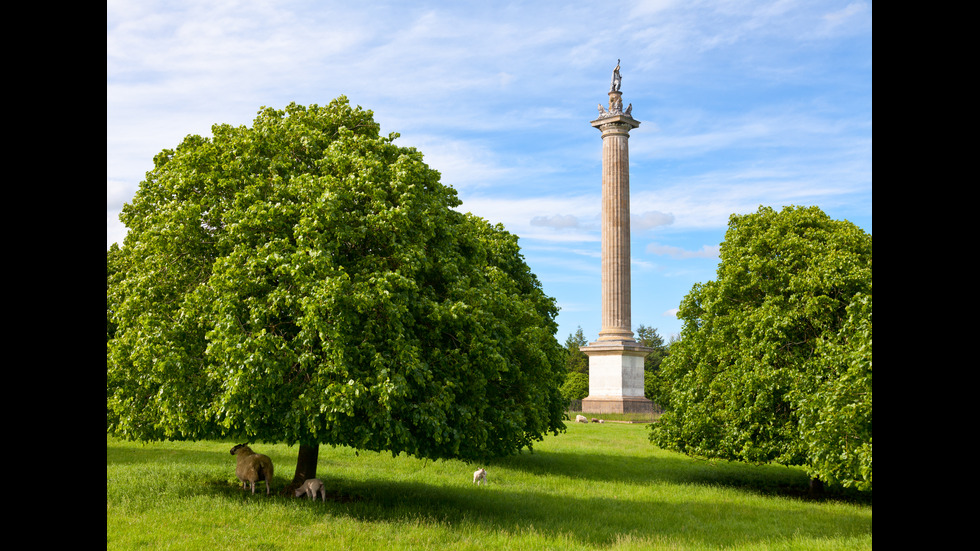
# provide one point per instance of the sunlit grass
(597, 486)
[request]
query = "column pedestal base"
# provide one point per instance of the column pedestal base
(614, 404)
(616, 378)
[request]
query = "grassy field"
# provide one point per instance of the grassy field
(598, 486)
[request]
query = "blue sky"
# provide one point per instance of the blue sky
(742, 104)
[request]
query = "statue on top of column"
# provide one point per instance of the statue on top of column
(617, 79)
(615, 97)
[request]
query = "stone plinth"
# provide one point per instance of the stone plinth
(616, 378)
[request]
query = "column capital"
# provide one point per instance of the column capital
(624, 123)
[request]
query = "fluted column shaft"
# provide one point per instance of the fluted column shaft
(616, 322)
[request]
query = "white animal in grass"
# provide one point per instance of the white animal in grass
(480, 476)
(311, 487)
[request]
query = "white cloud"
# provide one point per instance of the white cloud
(557, 221)
(462, 164)
(706, 251)
(651, 219)
(522, 216)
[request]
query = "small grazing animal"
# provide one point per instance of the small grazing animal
(480, 476)
(581, 419)
(311, 487)
(252, 467)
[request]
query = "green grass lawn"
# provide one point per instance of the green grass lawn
(598, 486)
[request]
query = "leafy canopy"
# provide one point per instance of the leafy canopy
(576, 385)
(304, 280)
(774, 359)
(649, 337)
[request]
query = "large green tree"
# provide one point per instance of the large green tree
(774, 359)
(307, 281)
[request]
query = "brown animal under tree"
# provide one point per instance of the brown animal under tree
(252, 467)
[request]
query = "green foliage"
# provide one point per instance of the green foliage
(576, 361)
(576, 386)
(648, 336)
(835, 407)
(114, 271)
(305, 280)
(774, 360)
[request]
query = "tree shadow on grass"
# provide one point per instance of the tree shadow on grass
(181, 465)
(770, 480)
(599, 520)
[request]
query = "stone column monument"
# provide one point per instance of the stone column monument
(616, 359)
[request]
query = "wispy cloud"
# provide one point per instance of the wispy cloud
(557, 221)
(651, 219)
(706, 251)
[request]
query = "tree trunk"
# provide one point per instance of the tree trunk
(305, 465)
(816, 488)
